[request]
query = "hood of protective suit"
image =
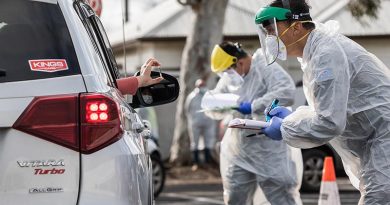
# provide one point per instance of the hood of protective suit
(330, 28)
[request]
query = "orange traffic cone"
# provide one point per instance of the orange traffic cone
(329, 193)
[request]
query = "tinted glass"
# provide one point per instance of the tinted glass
(34, 42)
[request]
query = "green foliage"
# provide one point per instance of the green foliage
(360, 8)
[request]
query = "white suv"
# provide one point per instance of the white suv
(67, 135)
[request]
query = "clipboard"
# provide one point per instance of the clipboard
(247, 124)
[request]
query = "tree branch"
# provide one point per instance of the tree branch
(360, 8)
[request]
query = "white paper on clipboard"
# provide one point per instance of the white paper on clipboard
(219, 101)
(248, 124)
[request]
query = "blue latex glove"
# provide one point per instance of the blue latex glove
(273, 131)
(279, 111)
(245, 108)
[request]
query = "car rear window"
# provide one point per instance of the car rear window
(34, 41)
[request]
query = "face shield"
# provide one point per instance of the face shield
(221, 64)
(220, 60)
(266, 19)
(231, 79)
(266, 22)
(271, 44)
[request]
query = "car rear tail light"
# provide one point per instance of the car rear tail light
(84, 123)
(96, 111)
(53, 118)
(100, 122)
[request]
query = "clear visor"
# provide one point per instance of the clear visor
(268, 34)
(231, 78)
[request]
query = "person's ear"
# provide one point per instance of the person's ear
(297, 28)
(240, 63)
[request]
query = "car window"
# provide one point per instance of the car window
(34, 42)
(100, 41)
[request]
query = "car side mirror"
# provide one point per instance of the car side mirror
(163, 92)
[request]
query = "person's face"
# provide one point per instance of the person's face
(290, 34)
(243, 65)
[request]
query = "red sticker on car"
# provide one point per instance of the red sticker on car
(48, 65)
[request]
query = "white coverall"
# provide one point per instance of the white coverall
(198, 123)
(247, 161)
(348, 92)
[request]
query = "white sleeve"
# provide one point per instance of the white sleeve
(328, 89)
(279, 85)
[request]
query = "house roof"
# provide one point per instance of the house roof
(170, 20)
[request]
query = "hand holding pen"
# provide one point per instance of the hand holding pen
(274, 110)
(267, 111)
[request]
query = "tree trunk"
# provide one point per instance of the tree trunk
(208, 20)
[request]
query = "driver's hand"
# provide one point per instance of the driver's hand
(144, 78)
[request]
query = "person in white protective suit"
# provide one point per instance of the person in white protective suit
(348, 92)
(248, 158)
(200, 125)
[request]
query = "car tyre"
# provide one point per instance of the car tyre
(158, 174)
(313, 162)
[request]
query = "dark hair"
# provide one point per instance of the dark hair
(233, 49)
(299, 9)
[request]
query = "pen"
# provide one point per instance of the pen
(274, 104)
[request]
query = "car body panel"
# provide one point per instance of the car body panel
(12, 108)
(119, 173)
(42, 87)
(152, 147)
(113, 179)
(17, 182)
